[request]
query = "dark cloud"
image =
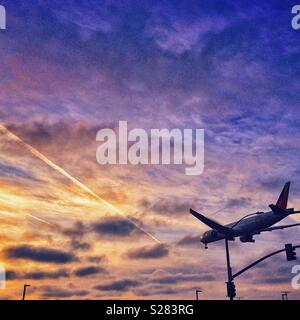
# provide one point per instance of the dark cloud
(272, 184)
(154, 252)
(238, 202)
(79, 245)
(166, 206)
(36, 275)
(96, 259)
(275, 270)
(115, 227)
(76, 233)
(159, 292)
(78, 230)
(12, 275)
(44, 134)
(189, 241)
(10, 171)
(40, 254)
(54, 292)
(88, 271)
(277, 280)
(40, 275)
(178, 278)
(119, 285)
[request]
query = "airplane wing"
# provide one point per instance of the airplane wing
(279, 227)
(211, 223)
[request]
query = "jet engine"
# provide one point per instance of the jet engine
(247, 239)
(213, 233)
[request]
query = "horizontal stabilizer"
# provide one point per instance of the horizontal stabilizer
(278, 210)
(280, 227)
(211, 223)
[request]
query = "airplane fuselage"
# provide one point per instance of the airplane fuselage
(247, 227)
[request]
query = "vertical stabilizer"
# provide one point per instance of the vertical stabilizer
(283, 198)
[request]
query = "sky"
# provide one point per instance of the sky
(71, 68)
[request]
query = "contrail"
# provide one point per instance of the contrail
(54, 166)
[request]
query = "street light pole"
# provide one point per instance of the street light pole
(197, 293)
(229, 270)
(231, 293)
(24, 290)
(284, 295)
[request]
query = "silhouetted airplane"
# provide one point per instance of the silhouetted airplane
(247, 227)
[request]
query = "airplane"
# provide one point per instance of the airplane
(250, 225)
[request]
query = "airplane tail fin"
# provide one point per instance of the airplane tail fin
(211, 223)
(283, 198)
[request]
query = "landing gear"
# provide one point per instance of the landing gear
(205, 247)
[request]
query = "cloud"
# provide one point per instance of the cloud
(44, 134)
(88, 271)
(96, 259)
(189, 240)
(119, 285)
(173, 33)
(115, 227)
(40, 254)
(37, 275)
(238, 202)
(181, 65)
(158, 292)
(40, 275)
(149, 252)
(10, 171)
(12, 275)
(178, 278)
(274, 271)
(79, 245)
(78, 230)
(54, 292)
(77, 233)
(88, 17)
(166, 206)
(273, 184)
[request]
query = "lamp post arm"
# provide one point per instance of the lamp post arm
(258, 261)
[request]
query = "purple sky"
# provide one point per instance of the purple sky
(70, 68)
